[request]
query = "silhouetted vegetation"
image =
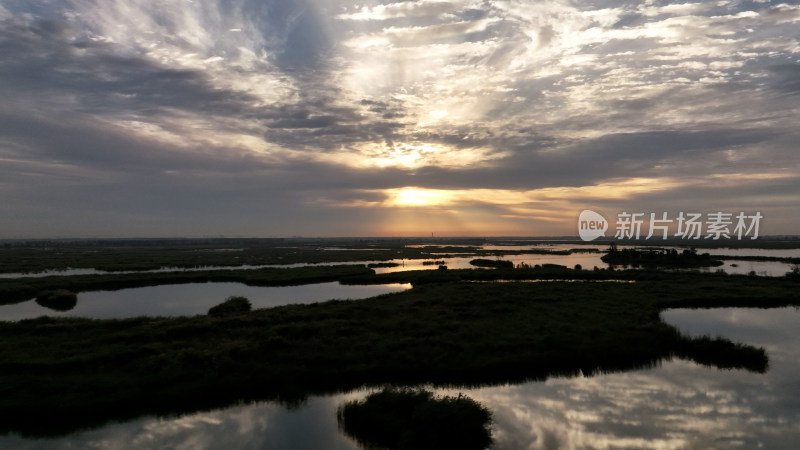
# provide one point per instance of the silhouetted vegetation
(723, 354)
(584, 250)
(410, 419)
(384, 264)
(139, 256)
(58, 300)
(520, 272)
(659, 258)
(151, 254)
(57, 375)
(15, 290)
(492, 263)
(231, 306)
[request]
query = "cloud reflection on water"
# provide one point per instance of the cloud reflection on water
(677, 405)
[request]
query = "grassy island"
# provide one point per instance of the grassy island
(406, 419)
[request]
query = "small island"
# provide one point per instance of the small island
(498, 263)
(58, 300)
(382, 265)
(404, 418)
(433, 263)
(659, 257)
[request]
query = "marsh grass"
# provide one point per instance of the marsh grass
(57, 375)
(413, 419)
(231, 306)
(16, 290)
(499, 263)
(657, 257)
(151, 254)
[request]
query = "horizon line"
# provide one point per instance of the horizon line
(415, 237)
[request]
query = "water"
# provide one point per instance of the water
(590, 260)
(770, 252)
(69, 272)
(760, 268)
(586, 260)
(461, 261)
(677, 405)
(192, 298)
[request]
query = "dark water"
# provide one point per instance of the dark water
(191, 299)
(677, 405)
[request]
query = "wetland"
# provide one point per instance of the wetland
(438, 330)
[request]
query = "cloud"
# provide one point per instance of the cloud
(251, 100)
(786, 78)
(399, 10)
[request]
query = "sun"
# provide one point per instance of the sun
(417, 197)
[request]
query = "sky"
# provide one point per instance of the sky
(277, 118)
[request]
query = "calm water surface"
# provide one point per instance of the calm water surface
(461, 261)
(677, 405)
(191, 299)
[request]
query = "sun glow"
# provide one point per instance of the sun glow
(542, 198)
(416, 197)
(415, 210)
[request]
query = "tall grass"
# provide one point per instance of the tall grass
(411, 419)
(60, 374)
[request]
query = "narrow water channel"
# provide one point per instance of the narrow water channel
(191, 299)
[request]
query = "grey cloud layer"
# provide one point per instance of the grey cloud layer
(268, 106)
